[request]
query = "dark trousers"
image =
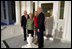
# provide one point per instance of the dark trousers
(31, 32)
(24, 32)
(40, 39)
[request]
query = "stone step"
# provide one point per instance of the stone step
(3, 45)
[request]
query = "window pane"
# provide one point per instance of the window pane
(4, 10)
(62, 9)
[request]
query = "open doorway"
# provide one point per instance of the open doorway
(8, 12)
(47, 8)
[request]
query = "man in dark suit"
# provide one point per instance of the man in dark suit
(23, 23)
(40, 27)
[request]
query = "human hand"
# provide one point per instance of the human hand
(38, 30)
(34, 30)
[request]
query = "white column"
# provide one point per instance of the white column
(36, 5)
(7, 14)
(56, 13)
(67, 21)
(2, 11)
(29, 7)
(23, 7)
(18, 12)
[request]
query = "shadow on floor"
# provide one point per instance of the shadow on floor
(18, 42)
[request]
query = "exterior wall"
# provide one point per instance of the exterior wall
(67, 21)
(20, 6)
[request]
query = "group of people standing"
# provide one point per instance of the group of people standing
(34, 23)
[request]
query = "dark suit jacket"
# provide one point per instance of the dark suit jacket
(24, 20)
(40, 21)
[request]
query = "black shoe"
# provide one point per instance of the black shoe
(40, 47)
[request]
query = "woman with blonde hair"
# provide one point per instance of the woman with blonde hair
(30, 24)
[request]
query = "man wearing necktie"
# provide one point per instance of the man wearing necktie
(23, 23)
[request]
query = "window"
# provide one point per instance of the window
(62, 9)
(4, 10)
